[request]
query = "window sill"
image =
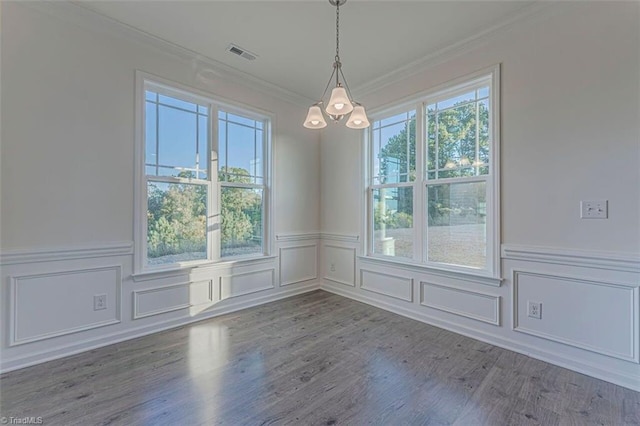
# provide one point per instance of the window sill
(478, 278)
(177, 270)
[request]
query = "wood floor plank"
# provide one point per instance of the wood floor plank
(313, 359)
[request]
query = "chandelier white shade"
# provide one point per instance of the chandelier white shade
(315, 119)
(340, 103)
(358, 118)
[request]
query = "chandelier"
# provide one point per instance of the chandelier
(340, 104)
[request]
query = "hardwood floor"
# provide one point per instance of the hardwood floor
(316, 359)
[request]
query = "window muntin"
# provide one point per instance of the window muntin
(451, 191)
(187, 192)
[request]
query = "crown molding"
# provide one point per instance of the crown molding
(85, 17)
(535, 10)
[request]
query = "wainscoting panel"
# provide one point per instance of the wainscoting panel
(53, 304)
(590, 303)
(394, 286)
(201, 292)
(592, 315)
(340, 264)
(298, 264)
(470, 304)
(246, 283)
(160, 300)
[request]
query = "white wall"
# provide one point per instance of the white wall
(67, 176)
(67, 134)
(570, 110)
(570, 101)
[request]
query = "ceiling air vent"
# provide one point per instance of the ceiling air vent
(236, 50)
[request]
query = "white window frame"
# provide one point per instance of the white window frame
(144, 81)
(419, 102)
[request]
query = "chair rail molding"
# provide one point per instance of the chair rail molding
(301, 236)
(340, 237)
(54, 254)
(626, 262)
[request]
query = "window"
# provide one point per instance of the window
(432, 182)
(394, 175)
(241, 143)
(203, 192)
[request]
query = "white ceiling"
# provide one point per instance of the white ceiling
(295, 40)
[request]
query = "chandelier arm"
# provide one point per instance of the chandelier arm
(328, 84)
(346, 86)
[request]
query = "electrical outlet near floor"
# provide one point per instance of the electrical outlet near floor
(594, 209)
(99, 302)
(332, 268)
(534, 310)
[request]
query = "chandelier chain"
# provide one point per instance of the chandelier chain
(338, 31)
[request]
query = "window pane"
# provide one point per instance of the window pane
(393, 221)
(240, 148)
(394, 148)
(241, 221)
(375, 140)
(483, 136)
(203, 151)
(431, 126)
(457, 137)
(256, 164)
(222, 145)
(467, 97)
(391, 120)
(458, 142)
(176, 137)
(177, 103)
(177, 140)
(150, 135)
(241, 120)
(176, 222)
(457, 224)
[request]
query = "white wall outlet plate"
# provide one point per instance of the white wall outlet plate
(598, 209)
(99, 302)
(534, 310)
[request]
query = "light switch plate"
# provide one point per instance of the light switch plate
(598, 209)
